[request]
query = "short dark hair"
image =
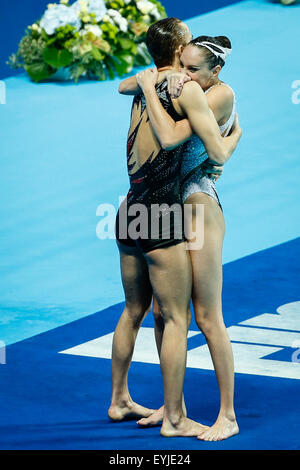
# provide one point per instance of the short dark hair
(163, 38)
(211, 59)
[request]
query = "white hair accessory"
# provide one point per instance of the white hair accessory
(224, 51)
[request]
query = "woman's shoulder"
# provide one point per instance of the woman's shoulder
(222, 90)
(222, 94)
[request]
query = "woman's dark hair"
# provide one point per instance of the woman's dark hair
(211, 59)
(163, 38)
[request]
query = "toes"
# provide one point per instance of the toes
(202, 436)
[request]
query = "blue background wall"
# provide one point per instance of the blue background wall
(15, 15)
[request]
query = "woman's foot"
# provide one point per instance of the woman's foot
(156, 418)
(185, 427)
(153, 420)
(128, 409)
(222, 429)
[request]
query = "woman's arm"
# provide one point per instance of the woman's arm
(195, 106)
(169, 132)
(129, 86)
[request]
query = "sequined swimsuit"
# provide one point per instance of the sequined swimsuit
(156, 182)
(192, 179)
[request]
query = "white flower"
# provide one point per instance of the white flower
(118, 19)
(59, 15)
(127, 1)
(107, 19)
(155, 13)
(123, 25)
(144, 6)
(91, 6)
(113, 13)
(83, 4)
(93, 28)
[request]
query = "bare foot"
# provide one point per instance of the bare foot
(153, 420)
(222, 429)
(128, 410)
(184, 428)
(156, 418)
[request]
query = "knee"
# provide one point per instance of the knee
(174, 315)
(136, 313)
(208, 321)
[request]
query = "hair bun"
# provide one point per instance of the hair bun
(223, 41)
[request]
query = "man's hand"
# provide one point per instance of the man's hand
(147, 78)
(176, 81)
(212, 171)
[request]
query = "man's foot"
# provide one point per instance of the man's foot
(184, 428)
(153, 420)
(222, 429)
(128, 410)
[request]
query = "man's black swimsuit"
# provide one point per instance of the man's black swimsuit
(155, 182)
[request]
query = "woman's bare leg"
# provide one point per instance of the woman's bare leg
(207, 302)
(170, 276)
(156, 418)
(138, 296)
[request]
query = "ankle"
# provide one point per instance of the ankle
(121, 400)
(173, 419)
(227, 414)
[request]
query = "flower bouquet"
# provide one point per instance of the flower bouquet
(88, 38)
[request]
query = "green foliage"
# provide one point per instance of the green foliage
(99, 55)
(57, 58)
(39, 71)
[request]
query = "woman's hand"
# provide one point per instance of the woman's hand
(212, 171)
(147, 78)
(176, 81)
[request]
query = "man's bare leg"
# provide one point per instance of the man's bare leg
(157, 417)
(170, 276)
(138, 296)
(207, 302)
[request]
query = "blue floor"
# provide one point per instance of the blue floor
(54, 400)
(62, 153)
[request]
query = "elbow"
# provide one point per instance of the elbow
(121, 89)
(167, 144)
